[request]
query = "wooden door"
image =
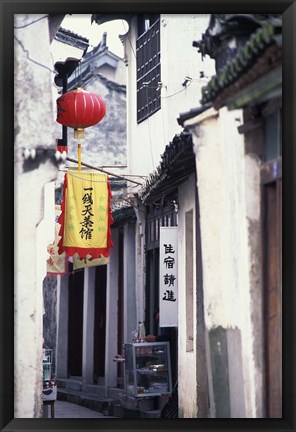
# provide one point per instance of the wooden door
(75, 323)
(273, 298)
(120, 323)
(100, 322)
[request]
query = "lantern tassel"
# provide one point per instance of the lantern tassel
(79, 157)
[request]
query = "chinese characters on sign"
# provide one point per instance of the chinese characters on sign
(168, 277)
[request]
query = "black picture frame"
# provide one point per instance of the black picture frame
(9, 242)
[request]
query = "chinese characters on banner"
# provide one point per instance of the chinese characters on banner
(86, 215)
(88, 261)
(168, 277)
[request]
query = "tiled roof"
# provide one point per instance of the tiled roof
(90, 72)
(192, 113)
(72, 39)
(123, 214)
(259, 42)
(99, 50)
(178, 162)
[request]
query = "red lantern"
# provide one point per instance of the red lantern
(80, 109)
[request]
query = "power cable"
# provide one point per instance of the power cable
(32, 60)
(104, 171)
(127, 33)
(32, 22)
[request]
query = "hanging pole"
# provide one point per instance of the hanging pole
(104, 171)
(79, 157)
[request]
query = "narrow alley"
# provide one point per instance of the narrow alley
(148, 215)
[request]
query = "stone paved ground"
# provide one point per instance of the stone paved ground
(65, 409)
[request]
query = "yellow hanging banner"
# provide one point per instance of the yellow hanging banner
(86, 210)
(88, 261)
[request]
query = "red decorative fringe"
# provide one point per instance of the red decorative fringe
(83, 252)
(62, 149)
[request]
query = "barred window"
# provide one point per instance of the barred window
(148, 70)
(273, 135)
(156, 218)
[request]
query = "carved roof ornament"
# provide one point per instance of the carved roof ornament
(245, 49)
(70, 38)
(226, 35)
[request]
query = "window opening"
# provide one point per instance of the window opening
(273, 138)
(148, 66)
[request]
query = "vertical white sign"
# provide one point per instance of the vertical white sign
(168, 277)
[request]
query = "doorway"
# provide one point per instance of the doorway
(75, 323)
(100, 323)
(273, 298)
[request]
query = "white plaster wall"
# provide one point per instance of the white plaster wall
(213, 165)
(147, 140)
(121, 73)
(253, 346)
(34, 206)
(130, 312)
(140, 262)
(186, 360)
(33, 232)
(178, 60)
(61, 51)
(112, 314)
(88, 326)
(226, 183)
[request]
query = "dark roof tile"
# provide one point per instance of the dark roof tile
(258, 43)
(177, 163)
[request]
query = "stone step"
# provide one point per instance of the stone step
(112, 393)
(99, 390)
(150, 414)
(93, 402)
(120, 411)
(71, 384)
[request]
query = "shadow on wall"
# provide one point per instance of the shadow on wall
(49, 316)
(227, 372)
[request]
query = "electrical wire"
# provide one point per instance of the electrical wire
(32, 22)
(148, 122)
(163, 126)
(104, 171)
(128, 36)
(162, 97)
(180, 91)
(32, 60)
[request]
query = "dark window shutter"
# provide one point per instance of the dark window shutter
(148, 72)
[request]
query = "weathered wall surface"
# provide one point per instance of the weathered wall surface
(179, 59)
(50, 316)
(104, 143)
(187, 384)
(228, 191)
(34, 205)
